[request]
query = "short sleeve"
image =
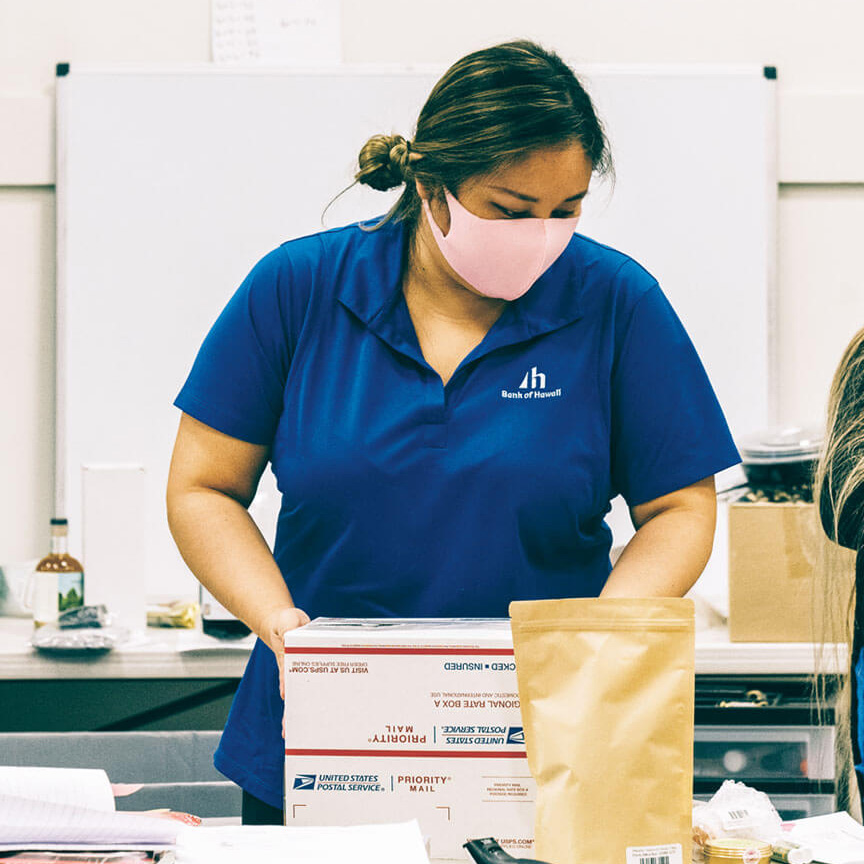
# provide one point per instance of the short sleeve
(668, 430)
(237, 380)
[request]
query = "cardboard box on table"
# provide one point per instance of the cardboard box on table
(782, 569)
(392, 720)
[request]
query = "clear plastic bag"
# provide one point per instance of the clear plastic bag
(83, 640)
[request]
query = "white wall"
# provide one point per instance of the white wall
(815, 46)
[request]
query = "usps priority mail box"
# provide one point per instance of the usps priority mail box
(392, 719)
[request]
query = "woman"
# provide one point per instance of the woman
(445, 439)
(840, 493)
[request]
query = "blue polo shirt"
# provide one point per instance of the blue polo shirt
(402, 497)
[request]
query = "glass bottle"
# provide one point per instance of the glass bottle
(59, 579)
(216, 620)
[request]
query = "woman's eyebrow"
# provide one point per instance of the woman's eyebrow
(577, 197)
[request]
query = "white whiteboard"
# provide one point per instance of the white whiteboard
(172, 183)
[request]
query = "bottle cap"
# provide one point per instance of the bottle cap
(799, 855)
(59, 521)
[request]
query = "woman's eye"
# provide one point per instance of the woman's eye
(519, 214)
(513, 214)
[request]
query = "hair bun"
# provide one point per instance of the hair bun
(383, 162)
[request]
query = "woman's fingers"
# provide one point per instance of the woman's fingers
(278, 623)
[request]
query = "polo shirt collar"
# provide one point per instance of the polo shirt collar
(375, 271)
(374, 294)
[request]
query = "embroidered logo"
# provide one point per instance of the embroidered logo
(538, 380)
(533, 386)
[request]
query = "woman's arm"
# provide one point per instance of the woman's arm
(212, 481)
(672, 544)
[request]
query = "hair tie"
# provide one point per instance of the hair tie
(412, 157)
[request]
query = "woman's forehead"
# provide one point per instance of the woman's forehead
(542, 173)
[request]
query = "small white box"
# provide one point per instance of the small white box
(423, 722)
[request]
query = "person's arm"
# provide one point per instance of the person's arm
(672, 544)
(211, 483)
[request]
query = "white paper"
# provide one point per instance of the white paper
(277, 32)
(83, 787)
(835, 838)
(27, 821)
(113, 847)
(398, 843)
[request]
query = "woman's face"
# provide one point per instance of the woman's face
(546, 184)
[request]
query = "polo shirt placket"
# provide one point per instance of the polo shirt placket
(392, 325)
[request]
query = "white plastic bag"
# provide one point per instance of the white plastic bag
(735, 810)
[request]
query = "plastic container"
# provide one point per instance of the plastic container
(736, 850)
(753, 753)
(782, 456)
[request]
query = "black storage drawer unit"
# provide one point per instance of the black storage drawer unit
(772, 733)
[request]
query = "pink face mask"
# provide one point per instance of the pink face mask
(500, 257)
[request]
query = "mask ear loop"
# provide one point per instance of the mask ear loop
(446, 203)
(427, 207)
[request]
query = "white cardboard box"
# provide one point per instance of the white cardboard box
(393, 720)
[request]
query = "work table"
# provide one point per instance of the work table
(166, 653)
(154, 652)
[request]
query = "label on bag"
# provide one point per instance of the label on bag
(670, 854)
(735, 819)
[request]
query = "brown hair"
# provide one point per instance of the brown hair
(839, 497)
(840, 476)
(488, 111)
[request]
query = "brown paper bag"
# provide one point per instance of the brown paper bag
(607, 694)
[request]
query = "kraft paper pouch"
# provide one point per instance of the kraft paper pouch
(607, 696)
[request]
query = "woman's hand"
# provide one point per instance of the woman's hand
(272, 631)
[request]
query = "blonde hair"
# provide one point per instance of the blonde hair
(839, 497)
(840, 476)
(489, 110)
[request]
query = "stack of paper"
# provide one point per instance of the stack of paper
(68, 808)
(399, 843)
(835, 839)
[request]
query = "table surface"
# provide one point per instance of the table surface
(154, 652)
(166, 653)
